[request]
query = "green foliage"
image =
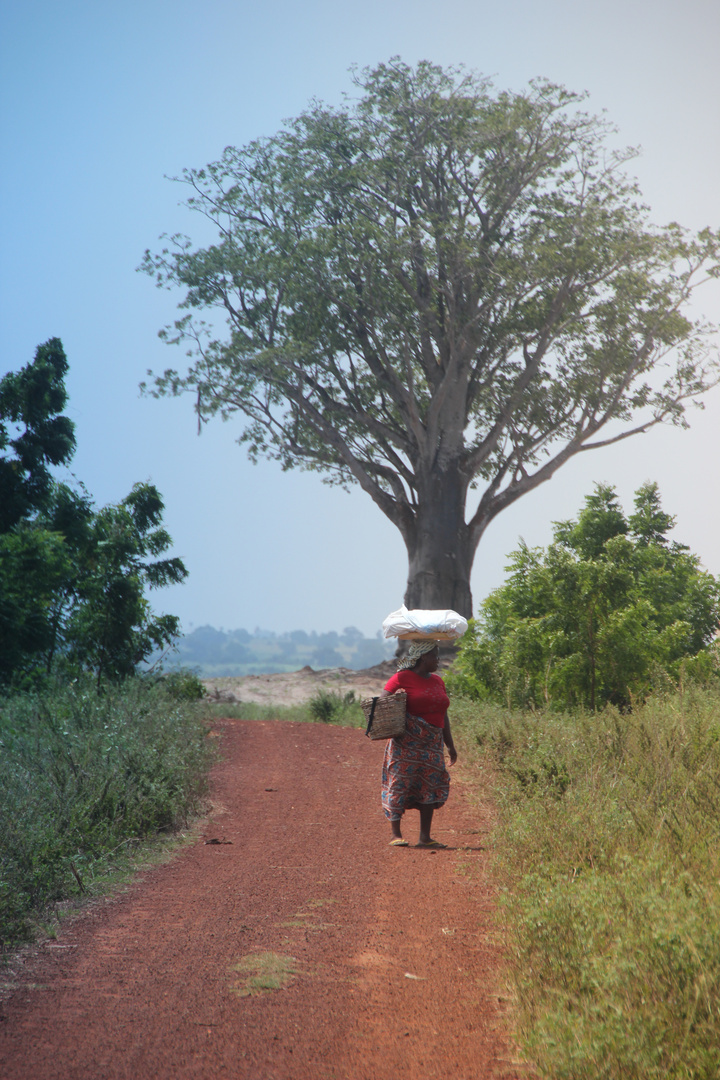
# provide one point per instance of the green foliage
(33, 434)
(610, 609)
(35, 567)
(329, 707)
(111, 628)
(434, 287)
(183, 685)
(72, 579)
(612, 882)
(82, 775)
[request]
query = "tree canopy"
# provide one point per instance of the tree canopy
(72, 578)
(602, 613)
(433, 288)
(34, 434)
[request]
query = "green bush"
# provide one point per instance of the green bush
(607, 613)
(81, 775)
(329, 707)
(607, 848)
(183, 685)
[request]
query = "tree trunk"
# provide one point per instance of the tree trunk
(440, 554)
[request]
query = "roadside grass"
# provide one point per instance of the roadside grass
(87, 780)
(608, 852)
(327, 706)
(94, 786)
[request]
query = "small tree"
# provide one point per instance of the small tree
(33, 433)
(35, 567)
(435, 288)
(595, 616)
(112, 628)
(72, 579)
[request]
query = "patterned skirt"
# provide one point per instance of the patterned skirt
(413, 772)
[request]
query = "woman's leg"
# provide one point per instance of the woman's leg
(395, 826)
(426, 816)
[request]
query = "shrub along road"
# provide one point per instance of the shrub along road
(296, 945)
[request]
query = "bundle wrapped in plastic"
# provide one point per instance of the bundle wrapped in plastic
(418, 625)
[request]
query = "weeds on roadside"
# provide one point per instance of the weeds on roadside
(330, 707)
(341, 710)
(608, 848)
(82, 774)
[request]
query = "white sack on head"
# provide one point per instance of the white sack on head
(417, 625)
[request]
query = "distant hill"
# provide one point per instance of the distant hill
(237, 652)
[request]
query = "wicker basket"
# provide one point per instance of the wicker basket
(385, 716)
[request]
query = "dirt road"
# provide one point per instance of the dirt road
(383, 957)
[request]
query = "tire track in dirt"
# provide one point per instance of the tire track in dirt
(146, 985)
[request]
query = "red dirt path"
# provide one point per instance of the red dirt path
(141, 986)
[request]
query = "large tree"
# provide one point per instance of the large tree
(432, 289)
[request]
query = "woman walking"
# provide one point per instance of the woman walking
(414, 776)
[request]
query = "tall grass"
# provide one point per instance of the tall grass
(608, 848)
(327, 707)
(81, 775)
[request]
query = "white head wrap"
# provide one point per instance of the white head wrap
(416, 650)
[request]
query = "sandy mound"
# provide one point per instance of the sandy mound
(296, 687)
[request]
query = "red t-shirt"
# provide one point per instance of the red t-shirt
(426, 696)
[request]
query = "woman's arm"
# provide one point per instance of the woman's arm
(448, 740)
(391, 687)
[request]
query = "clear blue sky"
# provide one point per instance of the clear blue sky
(100, 101)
